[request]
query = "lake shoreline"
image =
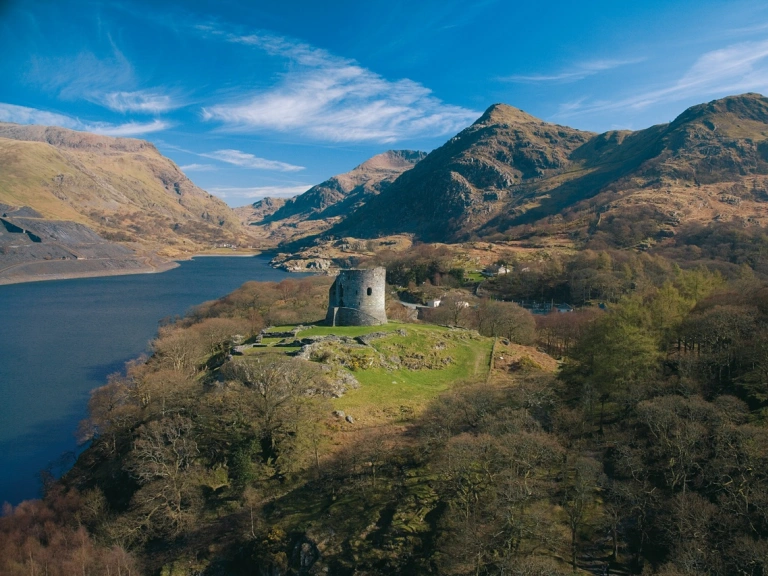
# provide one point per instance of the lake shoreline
(157, 269)
(89, 274)
(60, 340)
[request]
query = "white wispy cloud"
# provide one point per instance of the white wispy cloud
(246, 195)
(142, 101)
(737, 68)
(750, 29)
(84, 75)
(577, 72)
(25, 115)
(197, 167)
(326, 97)
(245, 160)
(128, 128)
(109, 81)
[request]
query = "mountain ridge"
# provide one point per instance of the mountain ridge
(275, 221)
(470, 175)
(344, 191)
(509, 171)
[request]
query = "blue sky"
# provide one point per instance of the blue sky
(268, 98)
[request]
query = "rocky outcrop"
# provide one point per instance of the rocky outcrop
(366, 339)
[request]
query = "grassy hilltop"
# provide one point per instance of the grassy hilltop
(430, 360)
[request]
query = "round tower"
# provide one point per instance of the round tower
(357, 298)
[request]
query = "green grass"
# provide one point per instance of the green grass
(475, 276)
(351, 331)
(402, 393)
(399, 394)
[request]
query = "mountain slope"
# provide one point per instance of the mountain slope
(122, 188)
(510, 175)
(80, 204)
(460, 185)
(707, 166)
(340, 194)
(259, 210)
(325, 204)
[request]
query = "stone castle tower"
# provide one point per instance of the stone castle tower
(357, 298)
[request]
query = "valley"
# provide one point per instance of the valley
(383, 288)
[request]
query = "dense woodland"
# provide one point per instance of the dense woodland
(647, 452)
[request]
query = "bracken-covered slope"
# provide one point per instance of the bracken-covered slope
(510, 175)
(122, 188)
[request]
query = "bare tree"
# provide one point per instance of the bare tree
(164, 462)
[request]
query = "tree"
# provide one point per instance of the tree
(275, 386)
(216, 333)
(40, 537)
(612, 357)
(578, 497)
(559, 332)
(112, 412)
(454, 310)
(506, 320)
(164, 461)
(178, 348)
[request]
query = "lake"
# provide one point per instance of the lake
(60, 339)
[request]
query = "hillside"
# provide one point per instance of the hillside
(259, 210)
(473, 177)
(341, 194)
(117, 189)
(323, 205)
(510, 176)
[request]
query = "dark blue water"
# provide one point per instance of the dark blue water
(60, 339)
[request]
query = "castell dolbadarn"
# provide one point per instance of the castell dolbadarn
(357, 298)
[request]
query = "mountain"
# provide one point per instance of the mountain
(325, 204)
(510, 175)
(471, 178)
(259, 210)
(107, 190)
(343, 193)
